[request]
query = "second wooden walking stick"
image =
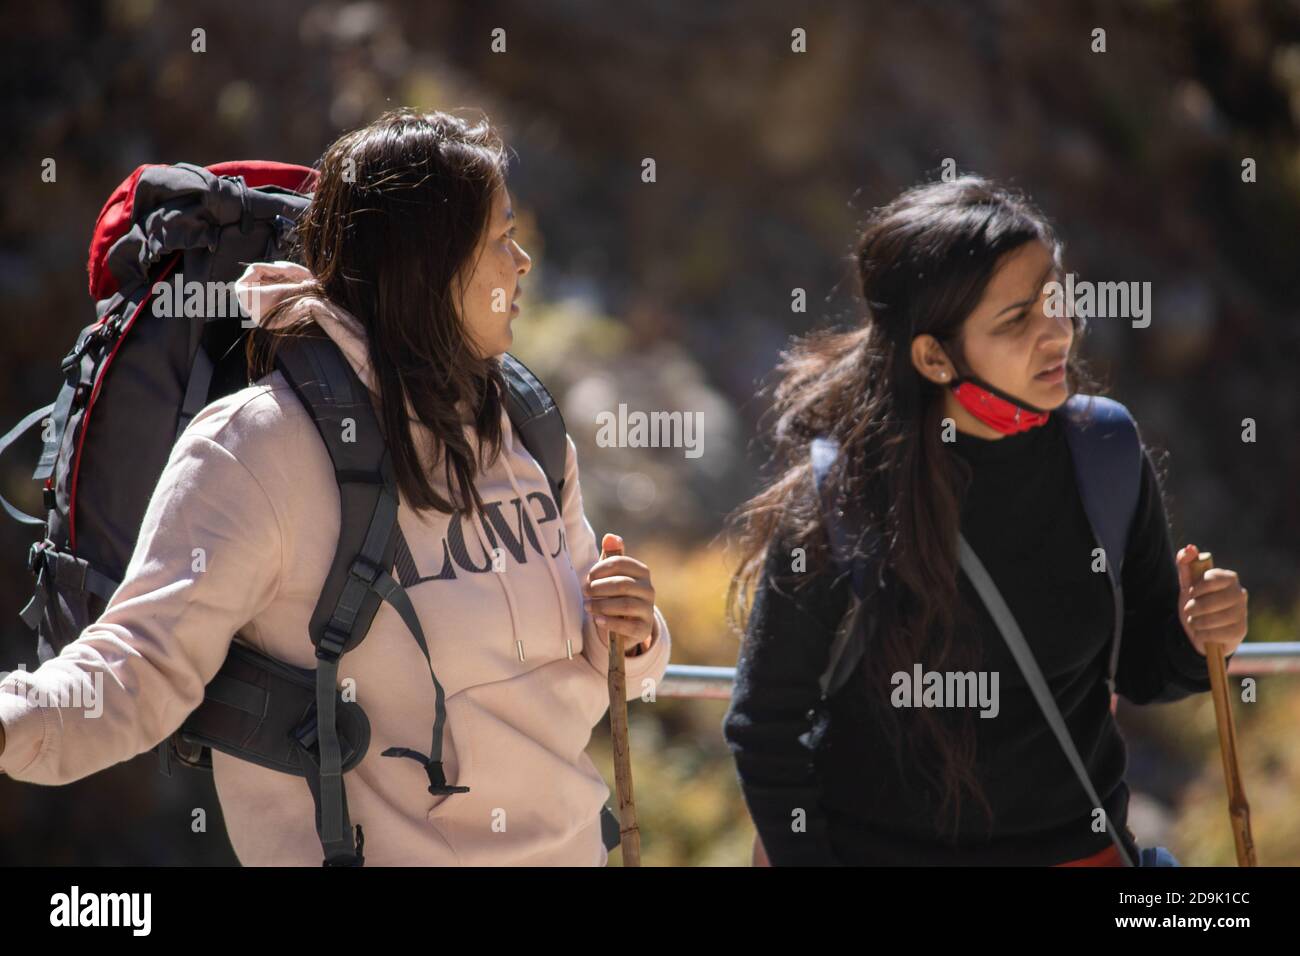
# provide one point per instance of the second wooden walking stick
(1238, 808)
(629, 834)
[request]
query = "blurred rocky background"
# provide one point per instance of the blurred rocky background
(676, 294)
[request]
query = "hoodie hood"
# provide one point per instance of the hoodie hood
(264, 285)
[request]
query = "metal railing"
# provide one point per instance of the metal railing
(715, 683)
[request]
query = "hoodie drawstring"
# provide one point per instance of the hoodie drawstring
(505, 583)
(550, 565)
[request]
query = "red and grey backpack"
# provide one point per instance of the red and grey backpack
(140, 378)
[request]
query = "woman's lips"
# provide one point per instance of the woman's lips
(1056, 374)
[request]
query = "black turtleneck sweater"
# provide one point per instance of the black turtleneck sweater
(830, 759)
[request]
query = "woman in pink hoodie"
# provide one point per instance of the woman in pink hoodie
(412, 269)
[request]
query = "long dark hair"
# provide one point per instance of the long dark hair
(399, 209)
(923, 262)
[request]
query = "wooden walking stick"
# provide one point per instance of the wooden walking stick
(1238, 808)
(629, 834)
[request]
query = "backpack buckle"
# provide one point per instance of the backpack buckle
(364, 570)
(105, 330)
(438, 780)
(331, 643)
(356, 859)
(36, 554)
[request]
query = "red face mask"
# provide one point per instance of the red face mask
(996, 408)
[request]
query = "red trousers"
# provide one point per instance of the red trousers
(1107, 857)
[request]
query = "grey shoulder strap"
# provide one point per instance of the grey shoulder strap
(1011, 633)
(358, 578)
(537, 419)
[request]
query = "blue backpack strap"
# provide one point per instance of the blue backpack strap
(843, 525)
(1107, 453)
(823, 452)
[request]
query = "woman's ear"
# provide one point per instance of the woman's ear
(930, 360)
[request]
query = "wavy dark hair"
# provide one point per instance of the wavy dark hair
(399, 210)
(923, 262)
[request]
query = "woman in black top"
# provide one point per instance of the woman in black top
(942, 402)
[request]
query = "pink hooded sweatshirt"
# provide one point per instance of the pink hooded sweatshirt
(250, 482)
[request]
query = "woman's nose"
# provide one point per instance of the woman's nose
(1060, 327)
(525, 262)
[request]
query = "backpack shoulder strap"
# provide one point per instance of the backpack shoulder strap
(536, 417)
(1107, 452)
(856, 559)
(340, 407)
(358, 578)
(823, 453)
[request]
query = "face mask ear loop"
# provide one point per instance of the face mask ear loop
(967, 376)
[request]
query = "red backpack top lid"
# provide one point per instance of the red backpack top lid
(115, 218)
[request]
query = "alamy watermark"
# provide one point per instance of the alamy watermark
(922, 688)
(75, 908)
(1100, 300)
(638, 429)
(175, 297)
(87, 696)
